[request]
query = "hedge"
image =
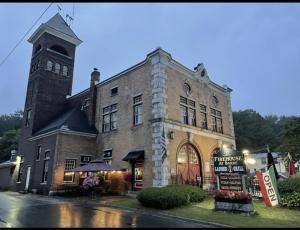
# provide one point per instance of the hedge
(291, 200)
(291, 184)
(170, 196)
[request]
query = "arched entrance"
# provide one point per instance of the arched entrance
(189, 169)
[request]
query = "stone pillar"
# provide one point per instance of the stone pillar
(159, 112)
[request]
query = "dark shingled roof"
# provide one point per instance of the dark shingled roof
(72, 120)
(59, 24)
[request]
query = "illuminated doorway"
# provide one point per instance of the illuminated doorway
(189, 166)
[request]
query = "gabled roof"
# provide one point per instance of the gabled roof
(56, 26)
(59, 24)
(72, 120)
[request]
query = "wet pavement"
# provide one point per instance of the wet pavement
(29, 210)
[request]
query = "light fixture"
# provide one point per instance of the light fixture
(250, 161)
(171, 134)
(245, 151)
(225, 146)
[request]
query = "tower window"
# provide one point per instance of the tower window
(49, 65)
(59, 49)
(28, 116)
(57, 68)
(65, 71)
(37, 49)
(114, 91)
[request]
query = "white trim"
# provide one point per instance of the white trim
(198, 131)
(59, 131)
(44, 28)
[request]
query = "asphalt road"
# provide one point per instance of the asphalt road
(28, 210)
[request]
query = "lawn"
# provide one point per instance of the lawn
(275, 217)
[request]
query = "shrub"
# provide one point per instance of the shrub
(170, 196)
(291, 184)
(291, 200)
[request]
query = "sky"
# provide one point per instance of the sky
(254, 48)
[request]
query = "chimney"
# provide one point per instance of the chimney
(95, 78)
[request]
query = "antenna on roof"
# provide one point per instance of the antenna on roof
(70, 19)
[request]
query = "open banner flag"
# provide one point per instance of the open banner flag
(268, 186)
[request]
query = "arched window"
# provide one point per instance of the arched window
(37, 48)
(65, 71)
(187, 88)
(49, 65)
(59, 49)
(57, 68)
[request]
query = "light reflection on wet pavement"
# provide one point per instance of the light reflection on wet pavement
(27, 210)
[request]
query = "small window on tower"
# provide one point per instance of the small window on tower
(49, 65)
(65, 71)
(57, 68)
(28, 116)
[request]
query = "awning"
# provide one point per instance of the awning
(98, 165)
(135, 155)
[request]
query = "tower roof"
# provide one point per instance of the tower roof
(56, 26)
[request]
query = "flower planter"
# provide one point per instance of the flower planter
(240, 201)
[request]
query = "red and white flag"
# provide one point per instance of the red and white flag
(268, 187)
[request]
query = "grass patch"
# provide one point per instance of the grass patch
(275, 217)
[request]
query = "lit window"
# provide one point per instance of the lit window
(57, 68)
(21, 168)
(68, 173)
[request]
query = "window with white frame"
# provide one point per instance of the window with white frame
(46, 166)
(38, 152)
(137, 110)
(28, 116)
(187, 111)
(57, 68)
(49, 65)
(21, 168)
(65, 71)
(109, 118)
(68, 173)
(216, 120)
(203, 117)
(84, 160)
(107, 156)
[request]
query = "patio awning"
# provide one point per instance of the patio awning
(98, 165)
(135, 155)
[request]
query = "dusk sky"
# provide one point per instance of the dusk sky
(253, 48)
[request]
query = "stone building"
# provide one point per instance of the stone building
(121, 119)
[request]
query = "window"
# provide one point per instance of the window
(215, 101)
(187, 88)
(187, 111)
(28, 116)
(46, 166)
(203, 117)
(264, 161)
(38, 153)
(21, 168)
(109, 118)
(59, 49)
(69, 166)
(137, 110)
(65, 71)
(50, 65)
(107, 156)
(84, 160)
(216, 118)
(114, 91)
(57, 68)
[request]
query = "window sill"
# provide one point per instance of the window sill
(43, 183)
(110, 131)
(18, 182)
(68, 182)
(137, 126)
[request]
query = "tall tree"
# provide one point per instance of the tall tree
(8, 142)
(10, 121)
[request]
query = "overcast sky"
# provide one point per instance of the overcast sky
(253, 48)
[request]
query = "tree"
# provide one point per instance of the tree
(8, 142)
(10, 121)
(291, 140)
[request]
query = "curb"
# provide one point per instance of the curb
(160, 214)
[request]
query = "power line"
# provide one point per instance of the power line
(24, 36)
